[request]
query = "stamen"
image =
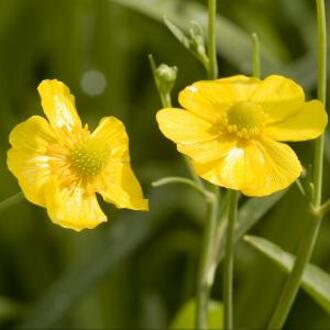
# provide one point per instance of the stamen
(87, 159)
(245, 119)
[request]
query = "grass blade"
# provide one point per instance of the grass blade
(315, 281)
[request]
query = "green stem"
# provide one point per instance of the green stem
(166, 101)
(321, 91)
(229, 261)
(204, 281)
(10, 201)
(309, 239)
(212, 42)
(174, 179)
(256, 56)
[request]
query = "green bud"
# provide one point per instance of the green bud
(165, 77)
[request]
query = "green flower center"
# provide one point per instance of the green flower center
(245, 119)
(88, 158)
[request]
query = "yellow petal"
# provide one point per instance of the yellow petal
(208, 99)
(208, 151)
(278, 89)
(281, 168)
(256, 168)
(28, 159)
(72, 207)
(59, 106)
(184, 127)
(119, 186)
(306, 122)
(112, 134)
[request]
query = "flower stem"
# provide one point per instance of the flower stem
(256, 56)
(170, 180)
(309, 239)
(229, 261)
(212, 42)
(204, 280)
(205, 275)
(321, 91)
(10, 201)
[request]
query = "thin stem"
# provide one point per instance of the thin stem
(10, 201)
(321, 92)
(204, 280)
(166, 101)
(309, 239)
(229, 261)
(174, 179)
(193, 174)
(256, 71)
(212, 42)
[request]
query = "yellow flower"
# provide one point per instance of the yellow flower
(60, 165)
(232, 130)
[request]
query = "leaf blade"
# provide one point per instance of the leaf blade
(315, 281)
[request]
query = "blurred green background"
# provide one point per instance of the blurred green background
(137, 270)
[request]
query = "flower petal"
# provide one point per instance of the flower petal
(117, 183)
(256, 169)
(59, 106)
(112, 134)
(208, 99)
(119, 186)
(72, 207)
(278, 89)
(28, 160)
(183, 127)
(307, 122)
(208, 151)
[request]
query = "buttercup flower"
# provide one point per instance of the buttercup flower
(60, 165)
(232, 130)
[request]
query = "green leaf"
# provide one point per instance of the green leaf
(195, 42)
(185, 318)
(177, 32)
(234, 43)
(315, 281)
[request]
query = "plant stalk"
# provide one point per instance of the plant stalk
(205, 281)
(212, 42)
(256, 68)
(228, 270)
(308, 242)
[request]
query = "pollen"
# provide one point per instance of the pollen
(87, 159)
(244, 119)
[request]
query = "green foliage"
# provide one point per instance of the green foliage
(315, 281)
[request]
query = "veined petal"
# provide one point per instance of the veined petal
(184, 127)
(281, 168)
(119, 186)
(72, 207)
(208, 151)
(306, 122)
(111, 133)
(28, 159)
(59, 106)
(255, 168)
(208, 99)
(278, 89)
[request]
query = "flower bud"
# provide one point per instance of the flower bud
(166, 76)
